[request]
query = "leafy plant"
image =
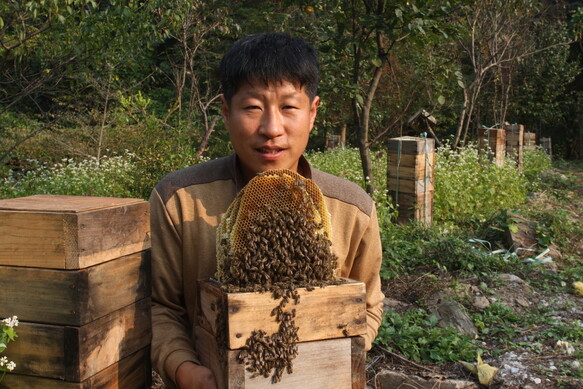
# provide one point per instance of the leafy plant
(7, 334)
(419, 338)
(109, 176)
(469, 190)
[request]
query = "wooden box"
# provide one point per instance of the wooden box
(76, 272)
(331, 321)
(492, 142)
(514, 142)
(71, 232)
(410, 177)
(547, 146)
(74, 297)
(529, 141)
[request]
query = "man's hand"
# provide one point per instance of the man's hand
(192, 376)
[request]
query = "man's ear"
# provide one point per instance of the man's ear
(314, 110)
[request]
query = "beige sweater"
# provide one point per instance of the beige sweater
(187, 206)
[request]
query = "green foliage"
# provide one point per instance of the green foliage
(7, 335)
(414, 246)
(497, 320)
(418, 338)
(345, 163)
(534, 164)
(109, 177)
(470, 190)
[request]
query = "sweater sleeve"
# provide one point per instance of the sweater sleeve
(171, 342)
(366, 268)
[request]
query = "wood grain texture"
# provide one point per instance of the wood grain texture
(64, 203)
(76, 353)
(410, 160)
(76, 297)
(414, 187)
(358, 362)
(324, 364)
(411, 145)
(73, 237)
(132, 372)
(323, 313)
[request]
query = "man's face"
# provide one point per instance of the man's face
(269, 125)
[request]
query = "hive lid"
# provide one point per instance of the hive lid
(63, 204)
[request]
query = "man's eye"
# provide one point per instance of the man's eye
(289, 107)
(251, 107)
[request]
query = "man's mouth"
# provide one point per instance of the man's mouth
(269, 151)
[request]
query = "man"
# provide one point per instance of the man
(269, 105)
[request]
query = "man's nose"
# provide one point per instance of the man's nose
(271, 124)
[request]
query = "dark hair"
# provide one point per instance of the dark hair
(269, 58)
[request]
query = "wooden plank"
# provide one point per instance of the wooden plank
(62, 203)
(410, 186)
(411, 145)
(132, 372)
(112, 233)
(411, 173)
(77, 353)
(32, 239)
(76, 297)
(323, 313)
(358, 362)
(324, 364)
(71, 239)
(409, 160)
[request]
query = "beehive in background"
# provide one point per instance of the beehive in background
(515, 142)
(76, 272)
(529, 140)
(492, 142)
(547, 146)
(410, 179)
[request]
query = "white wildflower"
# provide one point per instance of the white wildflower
(10, 365)
(11, 321)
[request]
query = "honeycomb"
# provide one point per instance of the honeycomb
(276, 227)
(275, 237)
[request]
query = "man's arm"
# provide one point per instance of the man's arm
(366, 268)
(171, 342)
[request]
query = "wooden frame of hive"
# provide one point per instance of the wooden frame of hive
(76, 272)
(411, 176)
(492, 142)
(331, 321)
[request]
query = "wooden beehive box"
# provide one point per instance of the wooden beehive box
(76, 272)
(529, 141)
(410, 179)
(515, 142)
(492, 142)
(331, 322)
(547, 146)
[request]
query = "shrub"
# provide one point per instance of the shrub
(470, 190)
(534, 163)
(417, 337)
(112, 176)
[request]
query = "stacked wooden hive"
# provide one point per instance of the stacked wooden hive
(514, 142)
(529, 140)
(492, 142)
(279, 316)
(411, 161)
(76, 272)
(330, 349)
(547, 146)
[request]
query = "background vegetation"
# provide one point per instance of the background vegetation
(105, 97)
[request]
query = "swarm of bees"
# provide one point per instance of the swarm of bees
(275, 238)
